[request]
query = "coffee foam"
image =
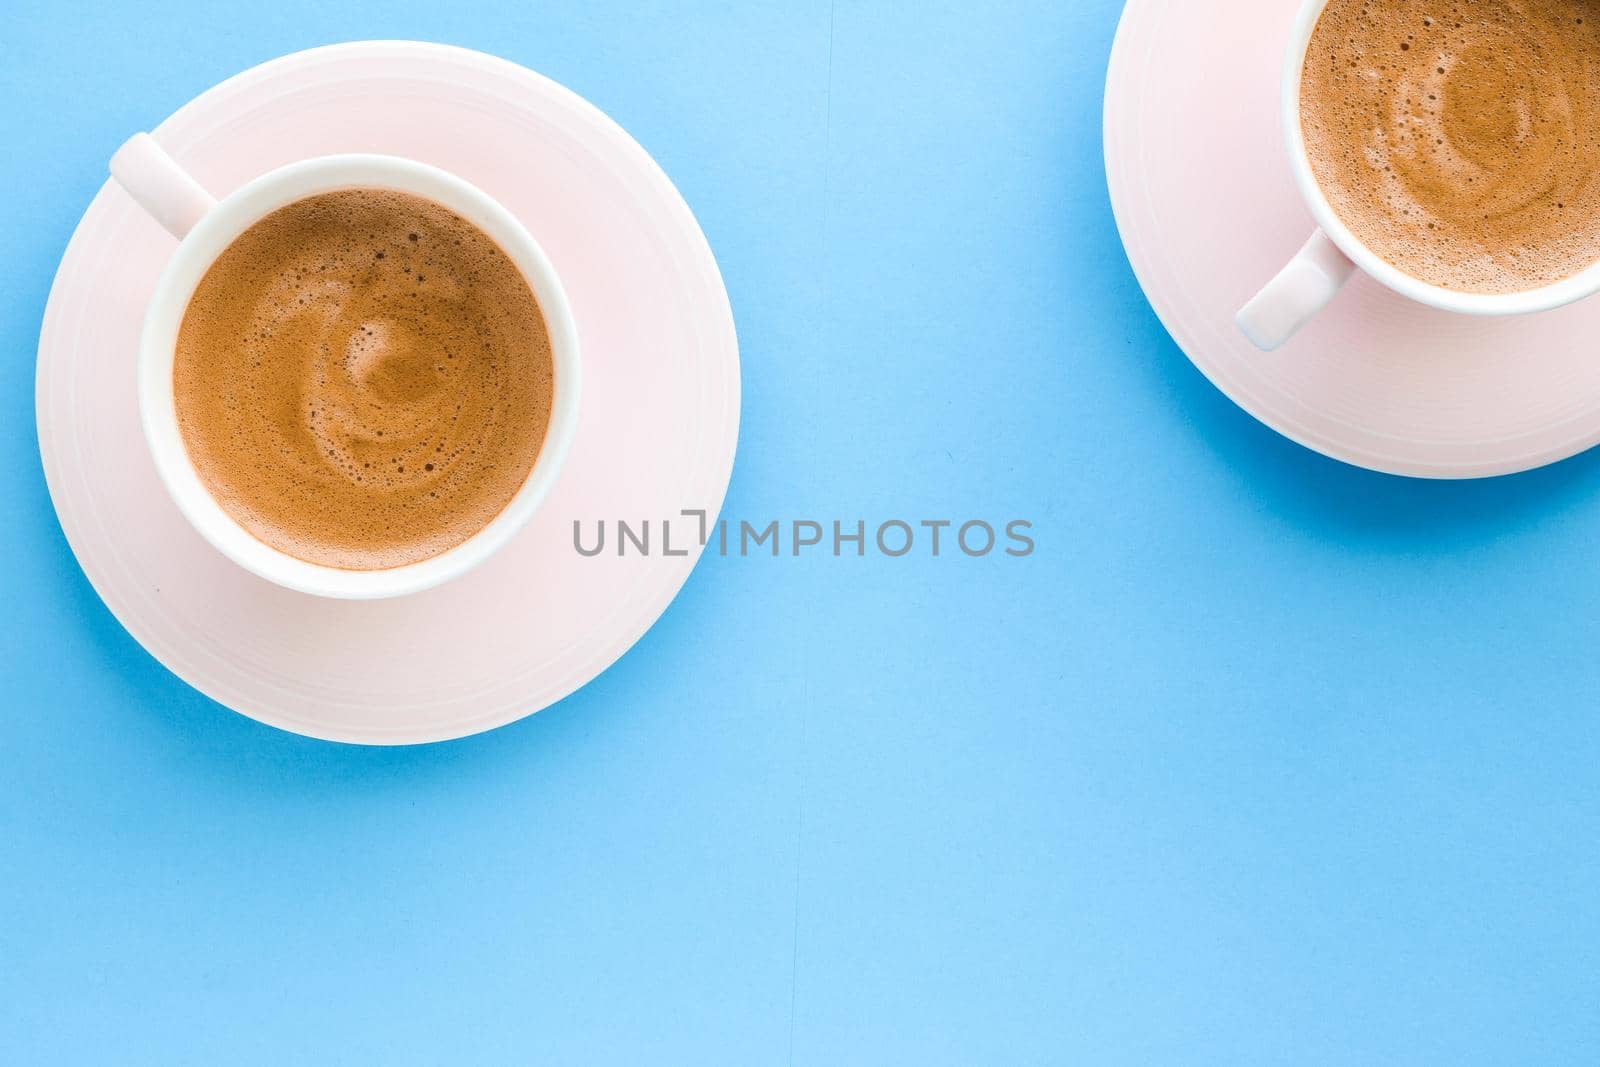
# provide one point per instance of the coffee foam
(1461, 141)
(363, 379)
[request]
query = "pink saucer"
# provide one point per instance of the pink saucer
(1208, 210)
(656, 433)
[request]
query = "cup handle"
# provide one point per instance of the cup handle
(159, 185)
(1300, 290)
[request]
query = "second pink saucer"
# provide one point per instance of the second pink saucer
(1208, 212)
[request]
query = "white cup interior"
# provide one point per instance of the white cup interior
(1580, 285)
(214, 233)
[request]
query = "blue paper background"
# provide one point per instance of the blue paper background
(1259, 759)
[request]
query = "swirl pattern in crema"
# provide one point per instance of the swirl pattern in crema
(363, 379)
(1461, 141)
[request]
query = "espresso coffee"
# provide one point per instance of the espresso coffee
(1460, 141)
(363, 379)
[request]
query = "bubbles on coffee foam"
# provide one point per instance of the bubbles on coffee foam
(1398, 102)
(382, 384)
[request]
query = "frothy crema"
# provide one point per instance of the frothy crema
(1461, 141)
(363, 379)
